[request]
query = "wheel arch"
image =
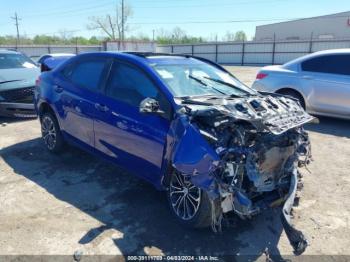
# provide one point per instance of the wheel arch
(168, 172)
(45, 107)
(290, 89)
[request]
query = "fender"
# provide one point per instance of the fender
(193, 156)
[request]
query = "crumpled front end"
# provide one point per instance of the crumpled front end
(248, 169)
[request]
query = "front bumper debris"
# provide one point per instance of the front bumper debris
(245, 154)
(295, 237)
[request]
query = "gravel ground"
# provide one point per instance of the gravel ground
(53, 204)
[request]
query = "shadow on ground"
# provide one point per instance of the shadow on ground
(131, 206)
(123, 202)
(331, 126)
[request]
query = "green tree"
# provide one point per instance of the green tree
(229, 36)
(94, 41)
(240, 36)
(176, 36)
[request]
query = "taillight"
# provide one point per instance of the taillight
(260, 76)
(37, 81)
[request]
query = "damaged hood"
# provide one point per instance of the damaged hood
(272, 113)
(244, 152)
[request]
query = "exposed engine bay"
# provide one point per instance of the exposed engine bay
(246, 155)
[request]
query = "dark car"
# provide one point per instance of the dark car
(17, 81)
(184, 124)
(48, 62)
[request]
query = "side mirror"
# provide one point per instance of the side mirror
(150, 105)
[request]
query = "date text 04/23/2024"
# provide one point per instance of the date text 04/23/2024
(172, 258)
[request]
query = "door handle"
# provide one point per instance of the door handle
(307, 77)
(101, 108)
(58, 88)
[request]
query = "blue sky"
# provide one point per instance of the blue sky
(50, 17)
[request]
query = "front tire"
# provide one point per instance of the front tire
(189, 204)
(51, 133)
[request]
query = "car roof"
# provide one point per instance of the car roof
(149, 58)
(159, 59)
(59, 54)
(316, 54)
(7, 51)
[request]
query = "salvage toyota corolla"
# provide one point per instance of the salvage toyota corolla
(186, 125)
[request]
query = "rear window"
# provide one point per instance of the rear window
(86, 73)
(331, 64)
(8, 61)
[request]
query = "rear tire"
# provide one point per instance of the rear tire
(189, 204)
(51, 133)
(294, 94)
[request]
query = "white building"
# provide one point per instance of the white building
(321, 27)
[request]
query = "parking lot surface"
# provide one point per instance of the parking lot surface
(61, 204)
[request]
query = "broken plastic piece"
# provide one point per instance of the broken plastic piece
(295, 237)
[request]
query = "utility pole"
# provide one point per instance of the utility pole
(153, 31)
(122, 20)
(16, 24)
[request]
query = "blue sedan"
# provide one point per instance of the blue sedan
(184, 124)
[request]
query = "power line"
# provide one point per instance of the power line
(195, 22)
(70, 10)
(210, 22)
(66, 11)
(208, 5)
(252, 20)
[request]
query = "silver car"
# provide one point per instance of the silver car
(17, 81)
(321, 81)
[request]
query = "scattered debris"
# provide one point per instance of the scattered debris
(267, 255)
(77, 255)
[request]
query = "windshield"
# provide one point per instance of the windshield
(199, 79)
(8, 61)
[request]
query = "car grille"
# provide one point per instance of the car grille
(18, 95)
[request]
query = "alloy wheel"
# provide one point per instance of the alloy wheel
(48, 131)
(185, 198)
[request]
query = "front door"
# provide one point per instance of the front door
(331, 93)
(132, 139)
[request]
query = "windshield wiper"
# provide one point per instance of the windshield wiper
(205, 84)
(227, 84)
(195, 102)
(198, 80)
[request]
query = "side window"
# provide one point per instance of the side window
(86, 73)
(130, 85)
(68, 70)
(331, 64)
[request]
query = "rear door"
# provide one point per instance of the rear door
(78, 87)
(132, 139)
(328, 77)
